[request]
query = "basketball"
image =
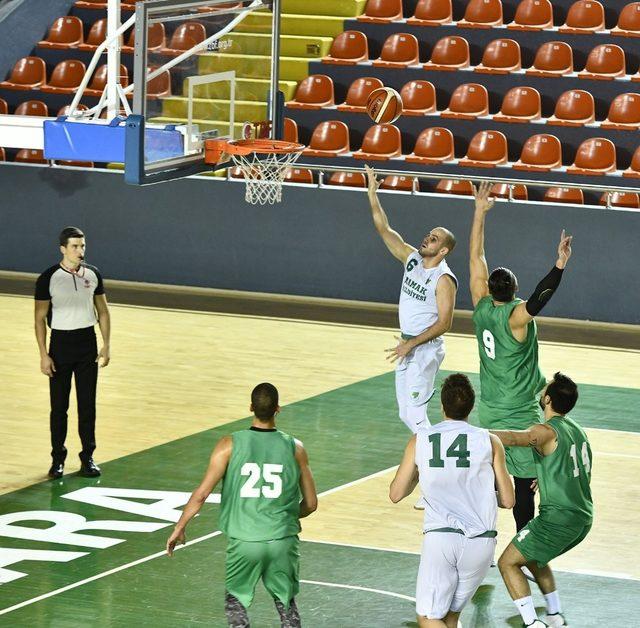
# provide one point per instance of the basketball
(384, 105)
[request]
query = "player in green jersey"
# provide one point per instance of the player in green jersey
(563, 462)
(267, 488)
(508, 345)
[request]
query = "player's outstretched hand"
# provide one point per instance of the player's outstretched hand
(372, 181)
(177, 537)
(400, 351)
(481, 194)
(564, 250)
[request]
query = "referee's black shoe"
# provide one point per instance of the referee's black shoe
(89, 469)
(56, 470)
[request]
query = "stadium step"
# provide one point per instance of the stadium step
(311, 25)
(221, 126)
(210, 109)
(341, 8)
(253, 66)
(290, 45)
(246, 89)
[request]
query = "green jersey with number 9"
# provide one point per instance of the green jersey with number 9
(261, 487)
(564, 477)
(509, 373)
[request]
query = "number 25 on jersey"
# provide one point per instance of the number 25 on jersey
(270, 474)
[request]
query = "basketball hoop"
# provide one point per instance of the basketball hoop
(264, 164)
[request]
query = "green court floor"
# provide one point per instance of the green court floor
(350, 433)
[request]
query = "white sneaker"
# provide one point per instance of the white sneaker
(420, 504)
(556, 620)
(538, 623)
(527, 574)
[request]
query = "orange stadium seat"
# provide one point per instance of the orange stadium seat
(540, 153)
(604, 63)
(350, 179)
(155, 38)
(432, 13)
(400, 183)
(400, 50)
(418, 98)
(28, 73)
(433, 146)
(574, 108)
(564, 195)
(313, 92)
(482, 14)
(235, 172)
(381, 142)
(628, 21)
(185, 37)
(32, 108)
(502, 190)
(520, 105)
(91, 4)
(595, 156)
(533, 15)
(290, 130)
(77, 164)
(3, 155)
(97, 34)
(99, 80)
(348, 48)
(65, 78)
(449, 54)
(624, 113)
(468, 101)
(584, 16)
(358, 94)
(553, 58)
(298, 175)
(630, 200)
(382, 11)
(329, 138)
(66, 32)
(64, 111)
(487, 149)
(633, 170)
(160, 86)
(454, 186)
(4, 107)
(30, 156)
(501, 56)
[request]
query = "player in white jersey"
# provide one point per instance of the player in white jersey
(427, 301)
(459, 468)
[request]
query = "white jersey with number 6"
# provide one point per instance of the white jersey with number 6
(454, 461)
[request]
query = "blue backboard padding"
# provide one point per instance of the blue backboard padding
(86, 141)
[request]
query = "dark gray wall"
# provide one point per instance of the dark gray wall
(316, 242)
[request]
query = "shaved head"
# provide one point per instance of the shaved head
(448, 239)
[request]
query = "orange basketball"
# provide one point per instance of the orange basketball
(384, 105)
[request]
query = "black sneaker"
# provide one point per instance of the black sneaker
(56, 470)
(89, 469)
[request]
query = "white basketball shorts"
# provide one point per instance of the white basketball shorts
(452, 567)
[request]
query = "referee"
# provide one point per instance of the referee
(70, 298)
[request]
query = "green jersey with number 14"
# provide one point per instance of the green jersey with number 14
(509, 371)
(261, 487)
(564, 477)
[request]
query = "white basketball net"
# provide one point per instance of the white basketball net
(264, 174)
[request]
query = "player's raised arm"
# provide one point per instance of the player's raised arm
(393, 240)
(504, 485)
(478, 270)
(309, 501)
(525, 312)
(215, 472)
(406, 478)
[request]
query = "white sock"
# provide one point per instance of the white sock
(553, 603)
(526, 609)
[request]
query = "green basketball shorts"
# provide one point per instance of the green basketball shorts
(276, 563)
(542, 540)
(520, 463)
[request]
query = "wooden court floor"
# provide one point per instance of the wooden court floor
(177, 381)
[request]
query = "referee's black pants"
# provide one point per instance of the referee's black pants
(74, 354)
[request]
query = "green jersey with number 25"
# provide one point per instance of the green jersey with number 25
(509, 371)
(261, 487)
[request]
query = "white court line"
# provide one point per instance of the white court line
(104, 574)
(357, 588)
